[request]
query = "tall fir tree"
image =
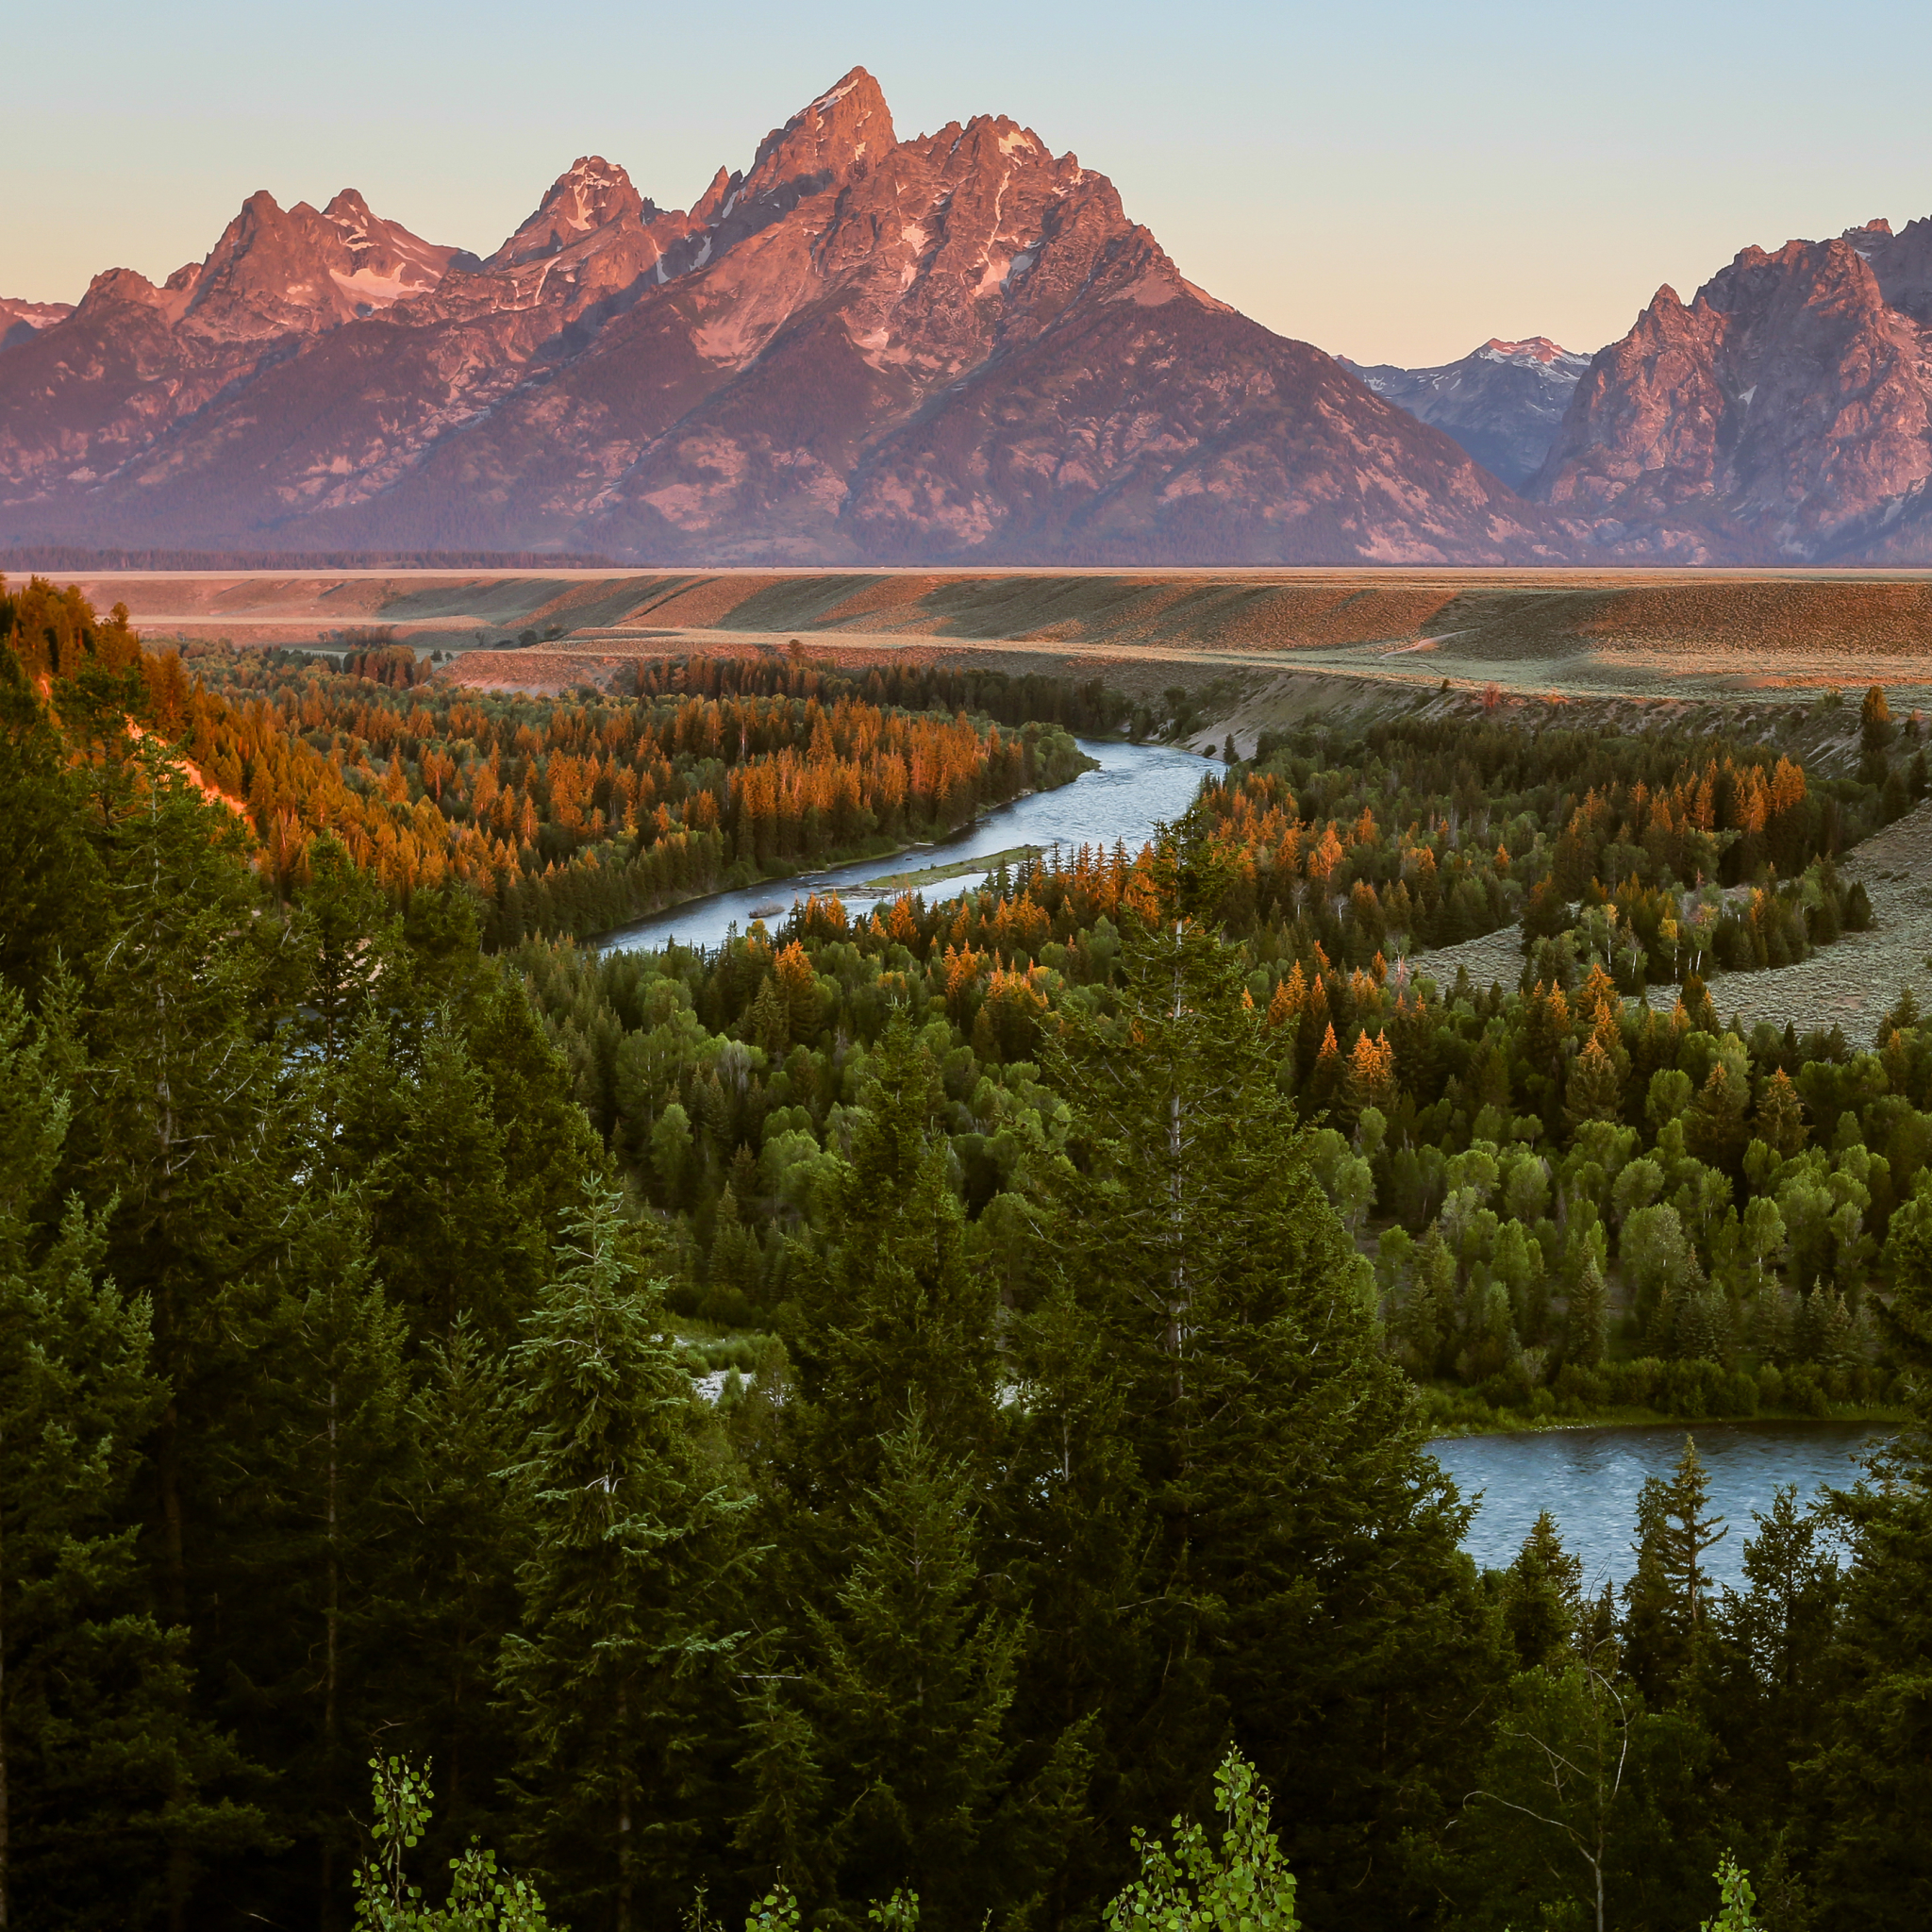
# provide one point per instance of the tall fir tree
(105, 1767)
(879, 1470)
(1301, 1583)
(623, 1590)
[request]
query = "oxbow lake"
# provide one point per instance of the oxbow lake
(1136, 786)
(1588, 1480)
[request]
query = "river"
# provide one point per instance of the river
(1136, 786)
(1588, 1480)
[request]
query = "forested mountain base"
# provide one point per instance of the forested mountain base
(345, 1413)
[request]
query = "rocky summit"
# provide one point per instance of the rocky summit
(949, 348)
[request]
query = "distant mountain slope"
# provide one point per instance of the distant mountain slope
(952, 347)
(20, 322)
(1504, 403)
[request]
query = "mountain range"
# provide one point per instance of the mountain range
(955, 348)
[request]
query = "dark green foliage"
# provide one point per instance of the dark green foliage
(621, 1585)
(1062, 1455)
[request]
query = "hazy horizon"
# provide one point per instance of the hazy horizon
(1397, 199)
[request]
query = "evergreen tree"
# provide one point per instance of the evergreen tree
(1869, 1787)
(51, 883)
(631, 1542)
(1588, 1328)
(1588, 1809)
(1543, 1596)
(886, 1759)
(885, 1445)
(319, 1492)
(1667, 1600)
(105, 1769)
(461, 1542)
(887, 1309)
(446, 1235)
(1300, 1572)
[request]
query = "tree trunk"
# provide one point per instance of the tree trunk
(331, 1664)
(623, 1808)
(6, 1820)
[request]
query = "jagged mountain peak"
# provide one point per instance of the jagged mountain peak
(954, 346)
(592, 195)
(823, 143)
(21, 320)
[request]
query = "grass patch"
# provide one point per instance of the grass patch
(936, 874)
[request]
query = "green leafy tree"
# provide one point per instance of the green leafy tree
(1197, 1886)
(481, 1899)
(1734, 1913)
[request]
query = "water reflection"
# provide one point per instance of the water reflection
(1588, 1480)
(1136, 786)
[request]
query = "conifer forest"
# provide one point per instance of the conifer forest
(918, 1416)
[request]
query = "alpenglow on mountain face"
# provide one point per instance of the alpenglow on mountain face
(951, 348)
(1784, 415)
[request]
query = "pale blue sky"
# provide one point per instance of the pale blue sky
(1394, 183)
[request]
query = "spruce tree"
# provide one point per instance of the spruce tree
(885, 1450)
(884, 1758)
(318, 1492)
(1543, 1596)
(460, 1541)
(887, 1307)
(1667, 1599)
(105, 1770)
(624, 1593)
(1300, 1570)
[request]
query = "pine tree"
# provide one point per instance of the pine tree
(460, 1546)
(1543, 1596)
(319, 1491)
(1276, 1442)
(103, 1766)
(1588, 1329)
(884, 1758)
(338, 931)
(1667, 1599)
(889, 1310)
(1594, 1090)
(444, 1235)
(622, 1591)
(892, 1332)
(51, 880)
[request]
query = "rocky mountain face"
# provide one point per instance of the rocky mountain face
(1784, 414)
(1504, 403)
(954, 347)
